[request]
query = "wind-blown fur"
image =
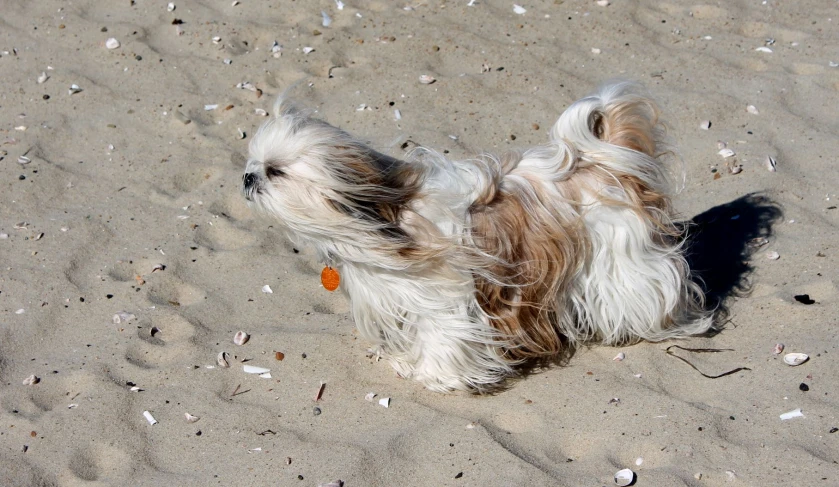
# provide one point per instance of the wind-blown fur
(460, 270)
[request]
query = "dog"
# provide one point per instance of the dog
(461, 271)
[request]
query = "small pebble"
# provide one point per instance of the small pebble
(803, 387)
(316, 411)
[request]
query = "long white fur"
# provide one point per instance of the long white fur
(423, 314)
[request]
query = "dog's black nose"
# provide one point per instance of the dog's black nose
(249, 179)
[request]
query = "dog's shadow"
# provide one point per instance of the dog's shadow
(719, 244)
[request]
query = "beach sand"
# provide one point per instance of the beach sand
(135, 170)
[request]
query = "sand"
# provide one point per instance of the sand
(134, 170)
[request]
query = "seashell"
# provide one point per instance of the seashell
(639, 461)
(735, 169)
(279, 356)
(122, 317)
(241, 338)
(397, 114)
(267, 289)
(149, 418)
(370, 396)
(427, 79)
(4, 236)
(833, 64)
(752, 109)
(210, 108)
(385, 401)
(112, 43)
(170, 7)
(619, 357)
(241, 133)
(216, 39)
(763, 49)
(307, 50)
(20, 311)
(624, 477)
(794, 359)
(770, 163)
(726, 153)
(519, 9)
(43, 78)
(190, 418)
(21, 225)
(221, 360)
(779, 347)
(721, 144)
(136, 389)
(260, 112)
(339, 4)
(795, 413)
(31, 380)
(595, 50)
(252, 369)
(23, 160)
(235, 2)
(772, 255)
(603, 3)
(72, 406)
(705, 124)
(266, 375)
(158, 267)
(74, 88)
(228, 62)
(276, 49)
(327, 20)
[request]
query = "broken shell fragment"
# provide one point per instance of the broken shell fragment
(149, 418)
(112, 43)
(369, 397)
(619, 357)
(241, 338)
(726, 153)
(260, 112)
(252, 369)
(705, 124)
(752, 109)
(31, 380)
(427, 79)
(385, 401)
(773, 255)
(23, 160)
(43, 78)
(795, 413)
(74, 88)
(307, 50)
(327, 20)
(222, 360)
(770, 164)
(779, 347)
(190, 418)
(267, 289)
(794, 359)
(122, 317)
(624, 477)
(518, 9)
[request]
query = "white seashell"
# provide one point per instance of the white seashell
(276, 49)
(252, 369)
(21, 128)
(43, 78)
(327, 20)
(246, 85)
(122, 317)
(21, 225)
(763, 49)
(23, 160)
(210, 107)
(794, 359)
(397, 114)
(726, 153)
(20, 311)
(519, 9)
(385, 401)
(149, 418)
(216, 39)
(221, 360)
(779, 347)
(369, 397)
(833, 64)
(136, 389)
(190, 418)
(267, 289)
(74, 88)
(170, 7)
(772, 255)
(228, 62)
(735, 169)
(595, 50)
(260, 112)
(795, 413)
(752, 109)
(619, 357)
(770, 163)
(4, 236)
(241, 338)
(112, 43)
(31, 380)
(339, 4)
(639, 461)
(427, 79)
(266, 375)
(158, 267)
(307, 50)
(72, 406)
(603, 3)
(241, 133)
(721, 144)
(235, 2)
(624, 477)
(705, 124)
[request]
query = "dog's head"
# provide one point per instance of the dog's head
(325, 186)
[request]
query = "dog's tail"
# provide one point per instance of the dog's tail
(611, 127)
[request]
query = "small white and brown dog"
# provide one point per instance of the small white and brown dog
(461, 270)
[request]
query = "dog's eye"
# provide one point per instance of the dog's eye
(274, 172)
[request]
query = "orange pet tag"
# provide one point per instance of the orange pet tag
(329, 278)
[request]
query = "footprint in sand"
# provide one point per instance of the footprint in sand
(172, 292)
(97, 462)
(223, 235)
(164, 341)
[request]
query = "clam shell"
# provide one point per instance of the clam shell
(241, 338)
(624, 477)
(222, 360)
(427, 79)
(779, 347)
(794, 359)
